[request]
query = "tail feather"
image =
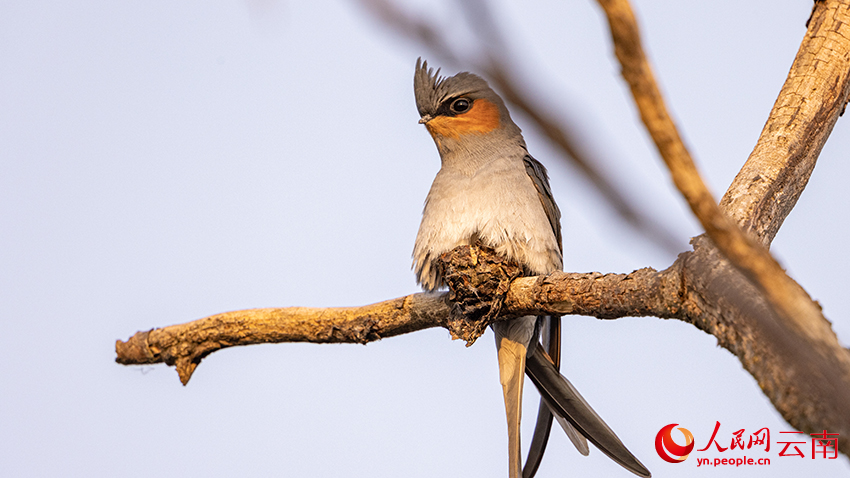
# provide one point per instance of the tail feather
(541, 437)
(512, 376)
(565, 401)
(578, 440)
(538, 440)
(550, 335)
(512, 341)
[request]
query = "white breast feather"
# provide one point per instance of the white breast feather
(500, 205)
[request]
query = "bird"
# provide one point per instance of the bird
(491, 192)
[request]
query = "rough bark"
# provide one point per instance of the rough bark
(184, 345)
(813, 97)
(609, 296)
(806, 380)
(809, 380)
(743, 296)
(791, 303)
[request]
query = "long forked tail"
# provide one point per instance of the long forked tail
(565, 401)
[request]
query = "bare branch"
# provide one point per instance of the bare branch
(794, 354)
(609, 296)
(184, 345)
(754, 261)
(813, 97)
(807, 385)
(807, 381)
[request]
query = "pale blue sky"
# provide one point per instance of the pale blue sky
(165, 161)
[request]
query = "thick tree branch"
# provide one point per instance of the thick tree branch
(753, 260)
(807, 381)
(184, 345)
(791, 337)
(642, 293)
(813, 97)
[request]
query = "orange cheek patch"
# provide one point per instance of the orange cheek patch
(482, 118)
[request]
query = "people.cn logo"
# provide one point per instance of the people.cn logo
(669, 450)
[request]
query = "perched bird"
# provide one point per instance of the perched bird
(491, 192)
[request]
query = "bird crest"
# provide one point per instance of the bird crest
(431, 89)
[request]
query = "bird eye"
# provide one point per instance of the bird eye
(460, 105)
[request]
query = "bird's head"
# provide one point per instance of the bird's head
(460, 108)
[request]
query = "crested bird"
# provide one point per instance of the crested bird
(489, 191)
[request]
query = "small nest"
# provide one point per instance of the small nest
(478, 281)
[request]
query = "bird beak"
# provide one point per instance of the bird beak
(425, 119)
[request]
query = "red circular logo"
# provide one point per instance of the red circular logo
(669, 450)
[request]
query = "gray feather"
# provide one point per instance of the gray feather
(537, 173)
(565, 401)
(551, 333)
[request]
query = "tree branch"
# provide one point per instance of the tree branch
(609, 296)
(788, 345)
(184, 345)
(813, 97)
(789, 299)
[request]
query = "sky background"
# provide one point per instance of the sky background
(165, 161)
